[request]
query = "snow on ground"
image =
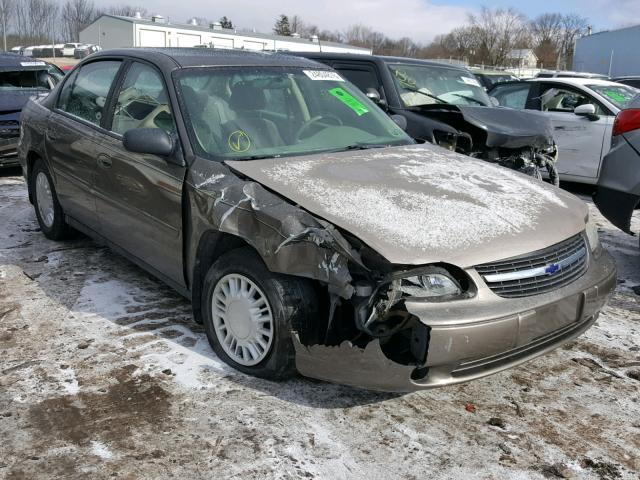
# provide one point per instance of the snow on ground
(103, 374)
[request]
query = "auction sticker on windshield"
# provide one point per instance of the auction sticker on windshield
(32, 64)
(323, 75)
(349, 100)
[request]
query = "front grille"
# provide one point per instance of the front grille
(9, 128)
(537, 272)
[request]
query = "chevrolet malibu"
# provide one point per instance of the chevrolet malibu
(309, 231)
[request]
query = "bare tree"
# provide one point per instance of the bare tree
(6, 11)
(75, 16)
(498, 32)
(573, 26)
(37, 20)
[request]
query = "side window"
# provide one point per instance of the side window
(363, 78)
(560, 99)
(85, 95)
(512, 96)
(142, 102)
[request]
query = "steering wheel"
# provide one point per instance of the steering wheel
(312, 121)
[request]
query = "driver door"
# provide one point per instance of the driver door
(580, 140)
(139, 196)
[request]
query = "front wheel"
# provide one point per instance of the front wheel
(45, 201)
(249, 313)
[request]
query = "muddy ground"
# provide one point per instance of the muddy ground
(104, 375)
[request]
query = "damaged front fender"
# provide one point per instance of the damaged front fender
(289, 239)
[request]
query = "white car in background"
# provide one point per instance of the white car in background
(69, 48)
(582, 111)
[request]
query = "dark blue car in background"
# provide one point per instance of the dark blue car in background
(20, 78)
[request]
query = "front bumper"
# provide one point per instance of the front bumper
(471, 338)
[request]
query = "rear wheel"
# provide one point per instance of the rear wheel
(48, 210)
(249, 313)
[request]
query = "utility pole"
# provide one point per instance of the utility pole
(4, 25)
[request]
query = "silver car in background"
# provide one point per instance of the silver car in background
(582, 111)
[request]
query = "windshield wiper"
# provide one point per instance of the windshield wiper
(415, 90)
(470, 98)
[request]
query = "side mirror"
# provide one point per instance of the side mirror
(587, 110)
(153, 141)
(494, 102)
(400, 120)
(374, 96)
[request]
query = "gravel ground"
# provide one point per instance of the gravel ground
(103, 374)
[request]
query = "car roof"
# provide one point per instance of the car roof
(482, 71)
(14, 61)
(576, 81)
(384, 58)
(205, 57)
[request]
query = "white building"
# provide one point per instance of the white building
(522, 58)
(111, 31)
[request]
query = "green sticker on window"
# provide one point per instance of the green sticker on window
(349, 100)
(615, 96)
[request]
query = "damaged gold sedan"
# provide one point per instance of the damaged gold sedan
(309, 231)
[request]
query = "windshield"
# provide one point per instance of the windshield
(260, 112)
(619, 95)
(24, 79)
(427, 85)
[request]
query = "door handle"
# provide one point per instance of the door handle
(104, 160)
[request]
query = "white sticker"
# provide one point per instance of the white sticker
(470, 81)
(32, 64)
(323, 75)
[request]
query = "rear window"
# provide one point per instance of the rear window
(19, 79)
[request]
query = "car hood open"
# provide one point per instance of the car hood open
(421, 204)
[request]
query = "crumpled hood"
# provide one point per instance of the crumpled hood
(510, 128)
(421, 204)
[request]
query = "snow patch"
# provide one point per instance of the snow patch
(100, 449)
(434, 198)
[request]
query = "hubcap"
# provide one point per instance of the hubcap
(242, 319)
(44, 198)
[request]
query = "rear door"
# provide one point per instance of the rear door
(139, 196)
(74, 136)
(580, 139)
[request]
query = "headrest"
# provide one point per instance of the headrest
(194, 100)
(247, 97)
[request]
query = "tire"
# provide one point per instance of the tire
(53, 225)
(292, 304)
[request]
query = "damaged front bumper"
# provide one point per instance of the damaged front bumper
(471, 338)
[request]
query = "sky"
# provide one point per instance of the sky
(420, 20)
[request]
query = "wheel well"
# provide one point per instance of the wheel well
(211, 247)
(32, 157)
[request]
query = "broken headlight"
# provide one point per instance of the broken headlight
(434, 283)
(446, 140)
